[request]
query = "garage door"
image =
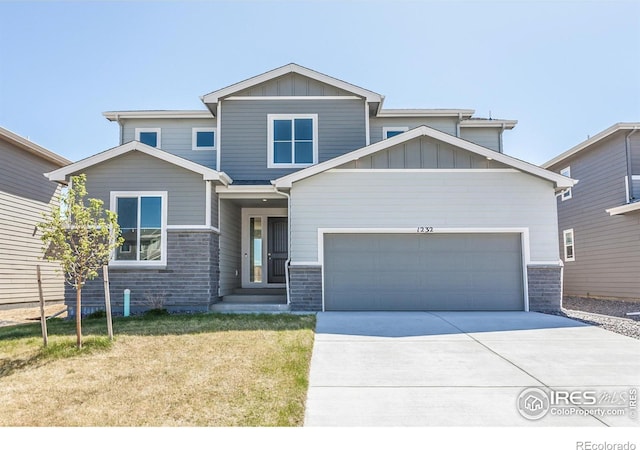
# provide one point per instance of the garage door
(404, 272)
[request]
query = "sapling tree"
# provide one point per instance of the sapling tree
(80, 234)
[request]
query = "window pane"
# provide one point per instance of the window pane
(255, 269)
(281, 152)
(569, 252)
(281, 130)
(150, 239)
(149, 138)
(304, 152)
(393, 133)
(127, 211)
(304, 129)
(204, 139)
(150, 212)
(129, 250)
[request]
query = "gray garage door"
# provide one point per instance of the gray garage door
(404, 272)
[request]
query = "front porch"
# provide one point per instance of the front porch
(253, 300)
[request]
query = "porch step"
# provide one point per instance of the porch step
(249, 307)
(255, 299)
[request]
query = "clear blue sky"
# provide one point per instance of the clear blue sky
(564, 70)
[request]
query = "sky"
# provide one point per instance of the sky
(565, 70)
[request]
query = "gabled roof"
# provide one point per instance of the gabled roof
(433, 112)
(207, 173)
(561, 182)
(31, 147)
(476, 122)
(592, 140)
(214, 96)
(114, 116)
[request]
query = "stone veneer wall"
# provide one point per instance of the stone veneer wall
(189, 283)
(305, 288)
(545, 287)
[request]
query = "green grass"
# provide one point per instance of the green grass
(175, 370)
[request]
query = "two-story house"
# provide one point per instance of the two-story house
(599, 218)
(296, 182)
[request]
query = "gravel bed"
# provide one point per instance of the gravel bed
(607, 314)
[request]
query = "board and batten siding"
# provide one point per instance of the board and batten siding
(25, 194)
(423, 153)
(341, 129)
(376, 124)
(607, 248)
(136, 171)
(230, 247)
(447, 199)
(175, 137)
(292, 84)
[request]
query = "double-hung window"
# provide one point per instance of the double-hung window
(142, 217)
(566, 194)
(149, 136)
(292, 140)
(569, 245)
(388, 132)
(203, 139)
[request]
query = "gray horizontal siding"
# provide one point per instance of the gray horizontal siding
(292, 84)
(136, 171)
(634, 147)
(230, 243)
(25, 194)
(607, 248)
(409, 199)
(444, 124)
(424, 153)
(176, 137)
(341, 129)
(487, 137)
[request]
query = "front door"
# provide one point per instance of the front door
(265, 241)
(277, 251)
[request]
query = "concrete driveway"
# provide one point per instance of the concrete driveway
(468, 369)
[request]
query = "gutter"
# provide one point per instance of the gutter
(627, 142)
(288, 261)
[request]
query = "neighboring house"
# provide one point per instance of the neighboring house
(599, 218)
(294, 181)
(24, 195)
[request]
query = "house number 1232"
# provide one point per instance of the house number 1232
(425, 229)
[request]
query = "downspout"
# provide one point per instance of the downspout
(500, 149)
(629, 167)
(458, 124)
(288, 261)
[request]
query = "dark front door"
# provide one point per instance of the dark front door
(277, 249)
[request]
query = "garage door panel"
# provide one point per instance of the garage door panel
(423, 272)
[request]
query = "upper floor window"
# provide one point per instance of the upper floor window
(569, 246)
(203, 139)
(149, 136)
(388, 132)
(566, 194)
(142, 217)
(292, 140)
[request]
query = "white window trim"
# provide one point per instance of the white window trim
(163, 234)
(385, 130)
(566, 233)
(566, 194)
(158, 132)
(270, 119)
(194, 138)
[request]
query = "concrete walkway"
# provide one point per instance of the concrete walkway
(462, 368)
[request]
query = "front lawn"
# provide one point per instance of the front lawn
(178, 370)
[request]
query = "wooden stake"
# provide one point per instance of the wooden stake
(107, 300)
(43, 318)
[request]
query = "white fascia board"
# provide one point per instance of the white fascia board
(114, 116)
(631, 207)
(215, 96)
(560, 181)
(32, 147)
(248, 192)
(425, 112)
(489, 123)
(592, 140)
(207, 173)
